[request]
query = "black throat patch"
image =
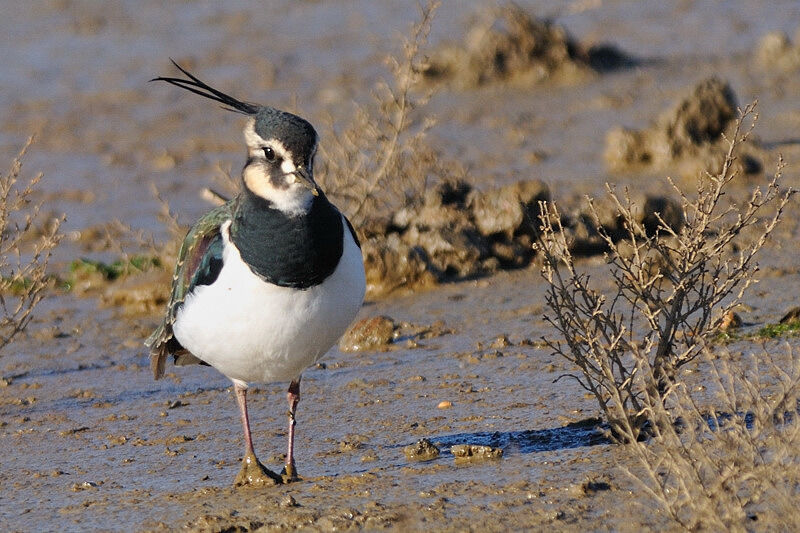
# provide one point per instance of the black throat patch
(289, 251)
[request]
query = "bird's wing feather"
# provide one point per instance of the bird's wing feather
(199, 262)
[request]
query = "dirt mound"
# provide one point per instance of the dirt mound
(453, 232)
(690, 135)
(457, 232)
(583, 230)
(776, 52)
(508, 44)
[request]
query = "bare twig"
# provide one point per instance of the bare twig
(24, 250)
(380, 159)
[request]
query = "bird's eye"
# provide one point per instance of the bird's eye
(269, 154)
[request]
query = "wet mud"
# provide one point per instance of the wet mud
(90, 441)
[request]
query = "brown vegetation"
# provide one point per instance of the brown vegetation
(378, 160)
(671, 284)
(729, 462)
(25, 249)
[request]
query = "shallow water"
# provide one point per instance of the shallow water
(81, 406)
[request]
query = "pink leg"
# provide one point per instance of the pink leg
(241, 399)
(293, 396)
(252, 472)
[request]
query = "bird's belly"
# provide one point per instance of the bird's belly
(251, 330)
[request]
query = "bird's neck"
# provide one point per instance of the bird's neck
(290, 250)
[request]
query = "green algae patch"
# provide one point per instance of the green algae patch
(88, 273)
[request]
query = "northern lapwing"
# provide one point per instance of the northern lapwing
(265, 284)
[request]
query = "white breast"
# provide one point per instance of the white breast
(251, 330)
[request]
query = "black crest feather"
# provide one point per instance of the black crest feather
(193, 84)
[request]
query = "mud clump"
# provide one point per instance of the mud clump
(452, 232)
(255, 474)
(422, 450)
(391, 264)
(471, 453)
(690, 135)
(584, 228)
(776, 52)
(456, 232)
(368, 334)
(508, 44)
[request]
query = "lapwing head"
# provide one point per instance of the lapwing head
(280, 148)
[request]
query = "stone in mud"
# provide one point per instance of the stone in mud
(590, 487)
(582, 236)
(496, 211)
(729, 322)
(422, 450)
(452, 192)
(584, 228)
(472, 453)
(371, 333)
(627, 147)
(530, 193)
(501, 341)
(452, 252)
(442, 228)
(452, 232)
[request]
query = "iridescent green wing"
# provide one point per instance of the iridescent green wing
(199, 262)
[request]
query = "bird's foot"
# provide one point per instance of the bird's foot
(255, 474)
(289, 474)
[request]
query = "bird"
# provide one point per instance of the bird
(266, 283)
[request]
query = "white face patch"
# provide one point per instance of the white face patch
(293, 197)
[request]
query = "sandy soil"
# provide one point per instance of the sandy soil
(89, 440)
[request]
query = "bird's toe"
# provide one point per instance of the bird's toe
(255, 474)
(289, 474)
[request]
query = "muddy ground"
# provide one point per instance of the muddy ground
(89, 440)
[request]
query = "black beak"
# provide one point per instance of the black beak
(303, 176)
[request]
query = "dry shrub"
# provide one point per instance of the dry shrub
(732, 467)
(380, 159)
(25, 249)
(669, 283)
